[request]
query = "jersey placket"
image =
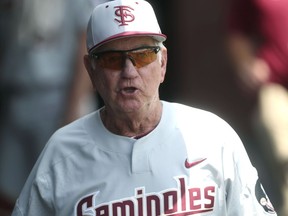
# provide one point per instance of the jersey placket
(140, 156)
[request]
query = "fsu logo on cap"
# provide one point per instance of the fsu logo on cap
(125, 15)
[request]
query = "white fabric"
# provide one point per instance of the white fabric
(87, 170)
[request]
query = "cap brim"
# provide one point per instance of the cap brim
(159, 37)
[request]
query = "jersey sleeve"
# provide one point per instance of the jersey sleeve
(36, 195)
(33, 203)
(245, 194)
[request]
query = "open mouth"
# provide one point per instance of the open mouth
(129, 90)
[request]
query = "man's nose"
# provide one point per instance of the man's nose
(131, 59)
(129, 69)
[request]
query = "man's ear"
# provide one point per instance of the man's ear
(90, 67)
(164, 58)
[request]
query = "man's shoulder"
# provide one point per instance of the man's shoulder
(187, 111)
(192, 117)
(68, 141)
(75, 132)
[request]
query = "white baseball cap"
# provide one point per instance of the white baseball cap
(122, 18)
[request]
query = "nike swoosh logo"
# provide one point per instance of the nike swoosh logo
(194, 163)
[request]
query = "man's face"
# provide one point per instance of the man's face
(128, 89)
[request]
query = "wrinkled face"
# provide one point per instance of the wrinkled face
(131, 87)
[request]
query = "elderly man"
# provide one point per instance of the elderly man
(139, 155)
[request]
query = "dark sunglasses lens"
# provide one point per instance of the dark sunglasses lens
(111, 60)
(144, 57)
(114, 59)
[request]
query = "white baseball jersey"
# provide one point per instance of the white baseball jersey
(192, 163)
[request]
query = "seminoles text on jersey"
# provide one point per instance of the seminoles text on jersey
(180, 201)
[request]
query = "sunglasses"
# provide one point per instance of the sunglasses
(115, 59)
